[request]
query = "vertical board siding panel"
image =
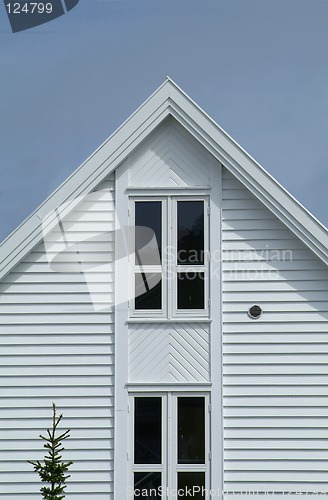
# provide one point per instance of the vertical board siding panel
(57, 346)
(275, 368)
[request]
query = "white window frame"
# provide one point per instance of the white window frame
(170, 267)
(179, 268)
(135, 268)
(169, 467)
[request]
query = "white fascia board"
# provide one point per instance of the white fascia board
(100, 164)
(167, 100)
(250, 173)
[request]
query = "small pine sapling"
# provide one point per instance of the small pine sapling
(53, 470)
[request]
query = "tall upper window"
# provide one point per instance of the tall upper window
(170, 265)
(148, 255)
(190, 232)
(190, 251)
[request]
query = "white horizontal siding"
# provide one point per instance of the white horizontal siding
(275, 369)
(56, 347)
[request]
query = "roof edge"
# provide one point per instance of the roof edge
(168, 99)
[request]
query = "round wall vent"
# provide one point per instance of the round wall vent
(255, 312)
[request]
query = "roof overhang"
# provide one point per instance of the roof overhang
(167, 100)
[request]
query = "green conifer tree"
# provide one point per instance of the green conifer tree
(53, 470)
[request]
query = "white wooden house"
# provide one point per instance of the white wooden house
(180, 382)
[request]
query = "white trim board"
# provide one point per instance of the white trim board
(168, 100)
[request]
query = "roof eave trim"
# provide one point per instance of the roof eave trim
(272, 194)
(167, 100)
(83, 180)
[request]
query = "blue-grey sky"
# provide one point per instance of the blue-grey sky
(259, 68)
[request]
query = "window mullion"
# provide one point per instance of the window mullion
(169, 263)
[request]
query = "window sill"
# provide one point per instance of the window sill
(169, 320)
(168, 386)
(142, 189)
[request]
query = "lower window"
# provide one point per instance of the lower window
(170, 446)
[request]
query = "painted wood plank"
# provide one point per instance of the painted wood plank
(275, 382)
(176, 352)
(55, 347)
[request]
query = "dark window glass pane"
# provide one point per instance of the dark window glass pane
(191, 290)
(147, 430)
(190, 232)
(191, 430)
(148, 243)
(148, 291)
(146, 485)
(194, 482)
